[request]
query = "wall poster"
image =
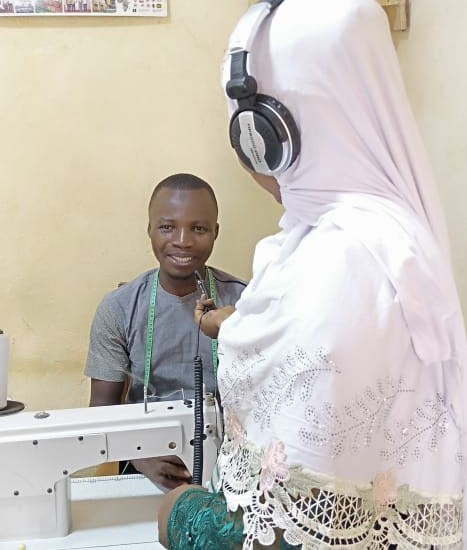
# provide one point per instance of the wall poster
(73, 8)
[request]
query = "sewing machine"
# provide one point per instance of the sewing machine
(39, 451)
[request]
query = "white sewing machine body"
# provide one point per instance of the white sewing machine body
(39, 451)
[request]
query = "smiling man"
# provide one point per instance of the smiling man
(183, 228)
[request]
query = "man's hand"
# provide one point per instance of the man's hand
(211, 320)
(166, 471)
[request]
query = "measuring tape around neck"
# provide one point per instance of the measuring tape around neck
(151, 324)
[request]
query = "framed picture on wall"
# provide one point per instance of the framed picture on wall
(73, 8)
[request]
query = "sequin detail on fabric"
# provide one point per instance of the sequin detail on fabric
(351, 428)
(236, 381)
(295, 376)
(429, 422)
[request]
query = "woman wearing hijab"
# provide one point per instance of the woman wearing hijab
(341, 369)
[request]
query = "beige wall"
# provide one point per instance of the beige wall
(94, 112)
(433, 60)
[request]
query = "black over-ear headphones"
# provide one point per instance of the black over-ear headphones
(262, 130)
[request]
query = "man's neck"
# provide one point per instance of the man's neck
(178, 287)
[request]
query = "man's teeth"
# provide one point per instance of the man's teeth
(182, 260)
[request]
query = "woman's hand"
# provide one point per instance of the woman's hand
(212, 319)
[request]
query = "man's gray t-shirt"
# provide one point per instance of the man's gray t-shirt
(118, 337)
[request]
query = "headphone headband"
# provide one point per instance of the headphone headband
(262, 131)
(246, 29)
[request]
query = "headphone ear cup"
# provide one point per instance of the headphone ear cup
(264, 143)
(284, 124)
(265, 136)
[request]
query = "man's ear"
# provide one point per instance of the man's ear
(216, 231)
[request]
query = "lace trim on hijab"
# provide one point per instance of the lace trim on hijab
(320, 513)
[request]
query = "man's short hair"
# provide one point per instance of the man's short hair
(183, 182)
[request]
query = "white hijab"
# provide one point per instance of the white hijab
(362, 163)
(362, 169)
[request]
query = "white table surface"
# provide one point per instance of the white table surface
(111, 513)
